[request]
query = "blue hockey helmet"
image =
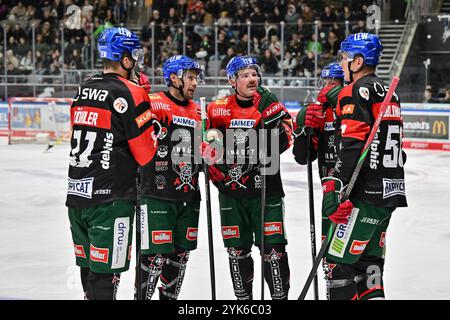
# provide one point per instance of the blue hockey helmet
(114, 42)
(332, 70)
(367, 45)
(242, 62)
(178, 64)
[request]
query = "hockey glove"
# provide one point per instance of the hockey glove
(269, 106)
(331, 206)
(329, 94)
(144, 82)
(314, 117)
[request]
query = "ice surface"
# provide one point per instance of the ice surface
(36, 253)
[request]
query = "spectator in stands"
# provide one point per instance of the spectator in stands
(269, 63)
(101, 10)
(307, 14)
(181, 9)
(222, 43)
(223, 64)
(3, 10)
(331, 46)
(291, 18)
(57, 9)
(241, 46)
(213, 7)
(275, 16)
(224, 22)
(327, 16)
(275, 46)
(314, 45)
(119, 12)
(26, 63)
(22, 47)
(288, 65)
(429, 95)
(11, 59)
(296, 45)
(18, 11)
(258, 18)
(230, 7)
(360, 27)
(305, 31)
(173, 19)
(307, 65)
(447, 95)
(346, 14)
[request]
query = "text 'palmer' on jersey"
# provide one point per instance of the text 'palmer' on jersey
(381, 181)
(174, 173)
(243, 174)
(112, 132)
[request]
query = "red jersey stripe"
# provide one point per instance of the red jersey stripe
(354, 129)
(143, 147)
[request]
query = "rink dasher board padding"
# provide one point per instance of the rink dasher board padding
(25, 118)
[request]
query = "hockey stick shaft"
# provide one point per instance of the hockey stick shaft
(263, 146)
(362, 157)
(208, 205)
(138, 235)
(312, 223)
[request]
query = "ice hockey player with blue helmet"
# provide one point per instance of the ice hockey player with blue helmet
(356, 255)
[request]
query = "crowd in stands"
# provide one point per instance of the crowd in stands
(42, 20)
(264, 40)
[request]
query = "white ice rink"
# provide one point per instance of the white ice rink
(36, 253)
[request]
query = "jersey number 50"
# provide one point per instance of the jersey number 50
(395, 159)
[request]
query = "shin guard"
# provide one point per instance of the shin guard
(276, 271)
(172, 275)
(151, 270)
(241, 269)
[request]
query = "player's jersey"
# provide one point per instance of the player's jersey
(381, 180)
(326, 151)
(326, 148)
(242, 165)
(167, 177)
(112, 129)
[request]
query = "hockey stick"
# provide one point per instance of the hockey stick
(312, 224)
(350, 185)
(208, 205)
(138, 293)
(263, 203)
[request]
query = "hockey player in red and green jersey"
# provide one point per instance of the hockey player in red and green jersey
(238, 177)
(356, 254)
(113, 133)
(171, 194)
(320, 117)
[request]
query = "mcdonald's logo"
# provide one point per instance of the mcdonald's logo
(439, 127)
